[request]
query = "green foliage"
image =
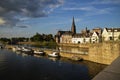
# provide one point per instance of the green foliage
(13, 40)
(38, 39)
(5, 40)
(42, 37)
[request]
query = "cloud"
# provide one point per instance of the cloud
(97, 11)
(11, 11)
(90, 10)
(79, 8)
(94, 7)
(106, 2)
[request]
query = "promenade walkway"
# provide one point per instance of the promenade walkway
(112, 72)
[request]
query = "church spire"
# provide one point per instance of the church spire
(73, 28)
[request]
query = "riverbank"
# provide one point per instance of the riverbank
(103, 53)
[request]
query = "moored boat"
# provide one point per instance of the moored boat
(17, 48)
(54, 54)
(39, 52)
(27, 50)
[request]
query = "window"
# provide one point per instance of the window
(110, 38)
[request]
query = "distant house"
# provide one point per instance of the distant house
(78, 38)
(95, 38)
(66, 37)
(58, 36)
(83, 37)
(98, 30)
(111, 34)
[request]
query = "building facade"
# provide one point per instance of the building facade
(111, 34)
(95, 38)
(66, 37)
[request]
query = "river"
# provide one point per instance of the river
(19, 66)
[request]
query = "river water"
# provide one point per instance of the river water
(19, 66)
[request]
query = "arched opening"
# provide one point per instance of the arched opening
(78, 42)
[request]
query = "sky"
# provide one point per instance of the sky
(23, 18)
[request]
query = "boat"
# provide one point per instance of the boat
(27, 50)
(54, 54)
(14, 49)
(39, 52)
(17, 48)
(76, 58)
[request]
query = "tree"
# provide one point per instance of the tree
(5, 40)
(36, 37)
(42, 37)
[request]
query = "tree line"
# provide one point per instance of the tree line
(35, 38)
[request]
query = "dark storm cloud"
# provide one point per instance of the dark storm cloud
(12, 10)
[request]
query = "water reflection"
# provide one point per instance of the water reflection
(38, 56)
(53, 59)
(18, 52)
(24, 55)
(23, 66)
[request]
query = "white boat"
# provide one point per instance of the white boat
(27, 50)
(39, 52)
(54, 54)
(14, 49)
(17, 48)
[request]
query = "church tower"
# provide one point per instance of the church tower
(73, 28)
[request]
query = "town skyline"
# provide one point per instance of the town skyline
(56, 15)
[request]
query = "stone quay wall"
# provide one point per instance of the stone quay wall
(104, 53)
